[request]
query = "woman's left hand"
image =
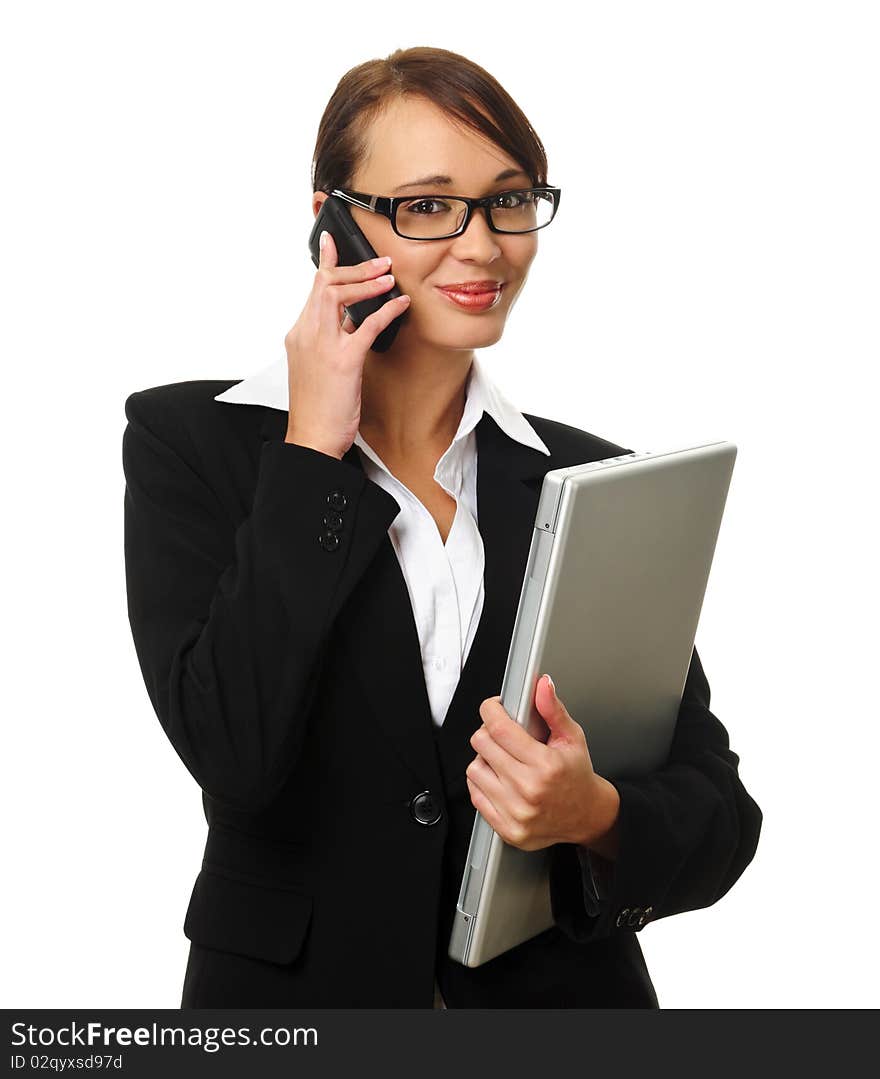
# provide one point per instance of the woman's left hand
(536, 793)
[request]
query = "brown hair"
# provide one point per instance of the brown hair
(452, 82)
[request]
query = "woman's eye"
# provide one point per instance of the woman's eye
(516, 198)
(411, 208)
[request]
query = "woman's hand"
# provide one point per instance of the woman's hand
(326, 354)
(536, 793)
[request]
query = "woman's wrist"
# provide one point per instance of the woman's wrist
(293, 438)
(605, 812)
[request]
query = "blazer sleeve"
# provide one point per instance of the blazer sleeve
(595, 875)
(686, 833)
(230, 623)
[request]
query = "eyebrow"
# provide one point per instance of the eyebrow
(430, 181)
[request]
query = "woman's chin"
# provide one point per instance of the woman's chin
(451, 334)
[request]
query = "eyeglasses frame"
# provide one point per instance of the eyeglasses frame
(387, 206)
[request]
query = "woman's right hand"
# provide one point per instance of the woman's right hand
(325, 359)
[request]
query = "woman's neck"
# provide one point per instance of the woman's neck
(411, 409)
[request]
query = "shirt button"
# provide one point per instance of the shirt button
(439, 664)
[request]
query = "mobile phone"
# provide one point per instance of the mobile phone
(353, 247)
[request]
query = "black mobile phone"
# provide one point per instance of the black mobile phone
(353, 247)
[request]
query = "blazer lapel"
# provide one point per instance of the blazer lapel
(379, 629)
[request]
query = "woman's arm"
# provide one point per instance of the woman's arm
(230, 620)
(684, 834)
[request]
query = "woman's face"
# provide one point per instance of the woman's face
(414, 139)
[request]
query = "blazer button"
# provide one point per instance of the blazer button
(634, 916)
(329, 541)
(333, 521)
(645, 915)
(425, 808)
(337, 500)
(621, 917)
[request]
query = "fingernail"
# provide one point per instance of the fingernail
(323, 239)
(550, 683)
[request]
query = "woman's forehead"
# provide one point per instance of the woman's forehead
(414, 145)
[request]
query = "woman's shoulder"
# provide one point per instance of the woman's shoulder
(177, 410)
(175, 401)
(216, 440)
(573, 443)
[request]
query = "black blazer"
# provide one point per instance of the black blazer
(279, 651)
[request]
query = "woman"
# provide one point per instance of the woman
(322, 626)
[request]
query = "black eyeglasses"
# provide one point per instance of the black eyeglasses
(523, 210)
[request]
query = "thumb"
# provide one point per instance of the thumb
(551, 708)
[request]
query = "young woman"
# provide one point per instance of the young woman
(323, 566)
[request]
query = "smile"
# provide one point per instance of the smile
(480, 301)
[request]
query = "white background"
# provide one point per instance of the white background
(712, 273)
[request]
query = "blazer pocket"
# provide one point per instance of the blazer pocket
(267, 922)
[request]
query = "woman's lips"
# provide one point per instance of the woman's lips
(480, 301)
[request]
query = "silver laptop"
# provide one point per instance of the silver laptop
(610, 602)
